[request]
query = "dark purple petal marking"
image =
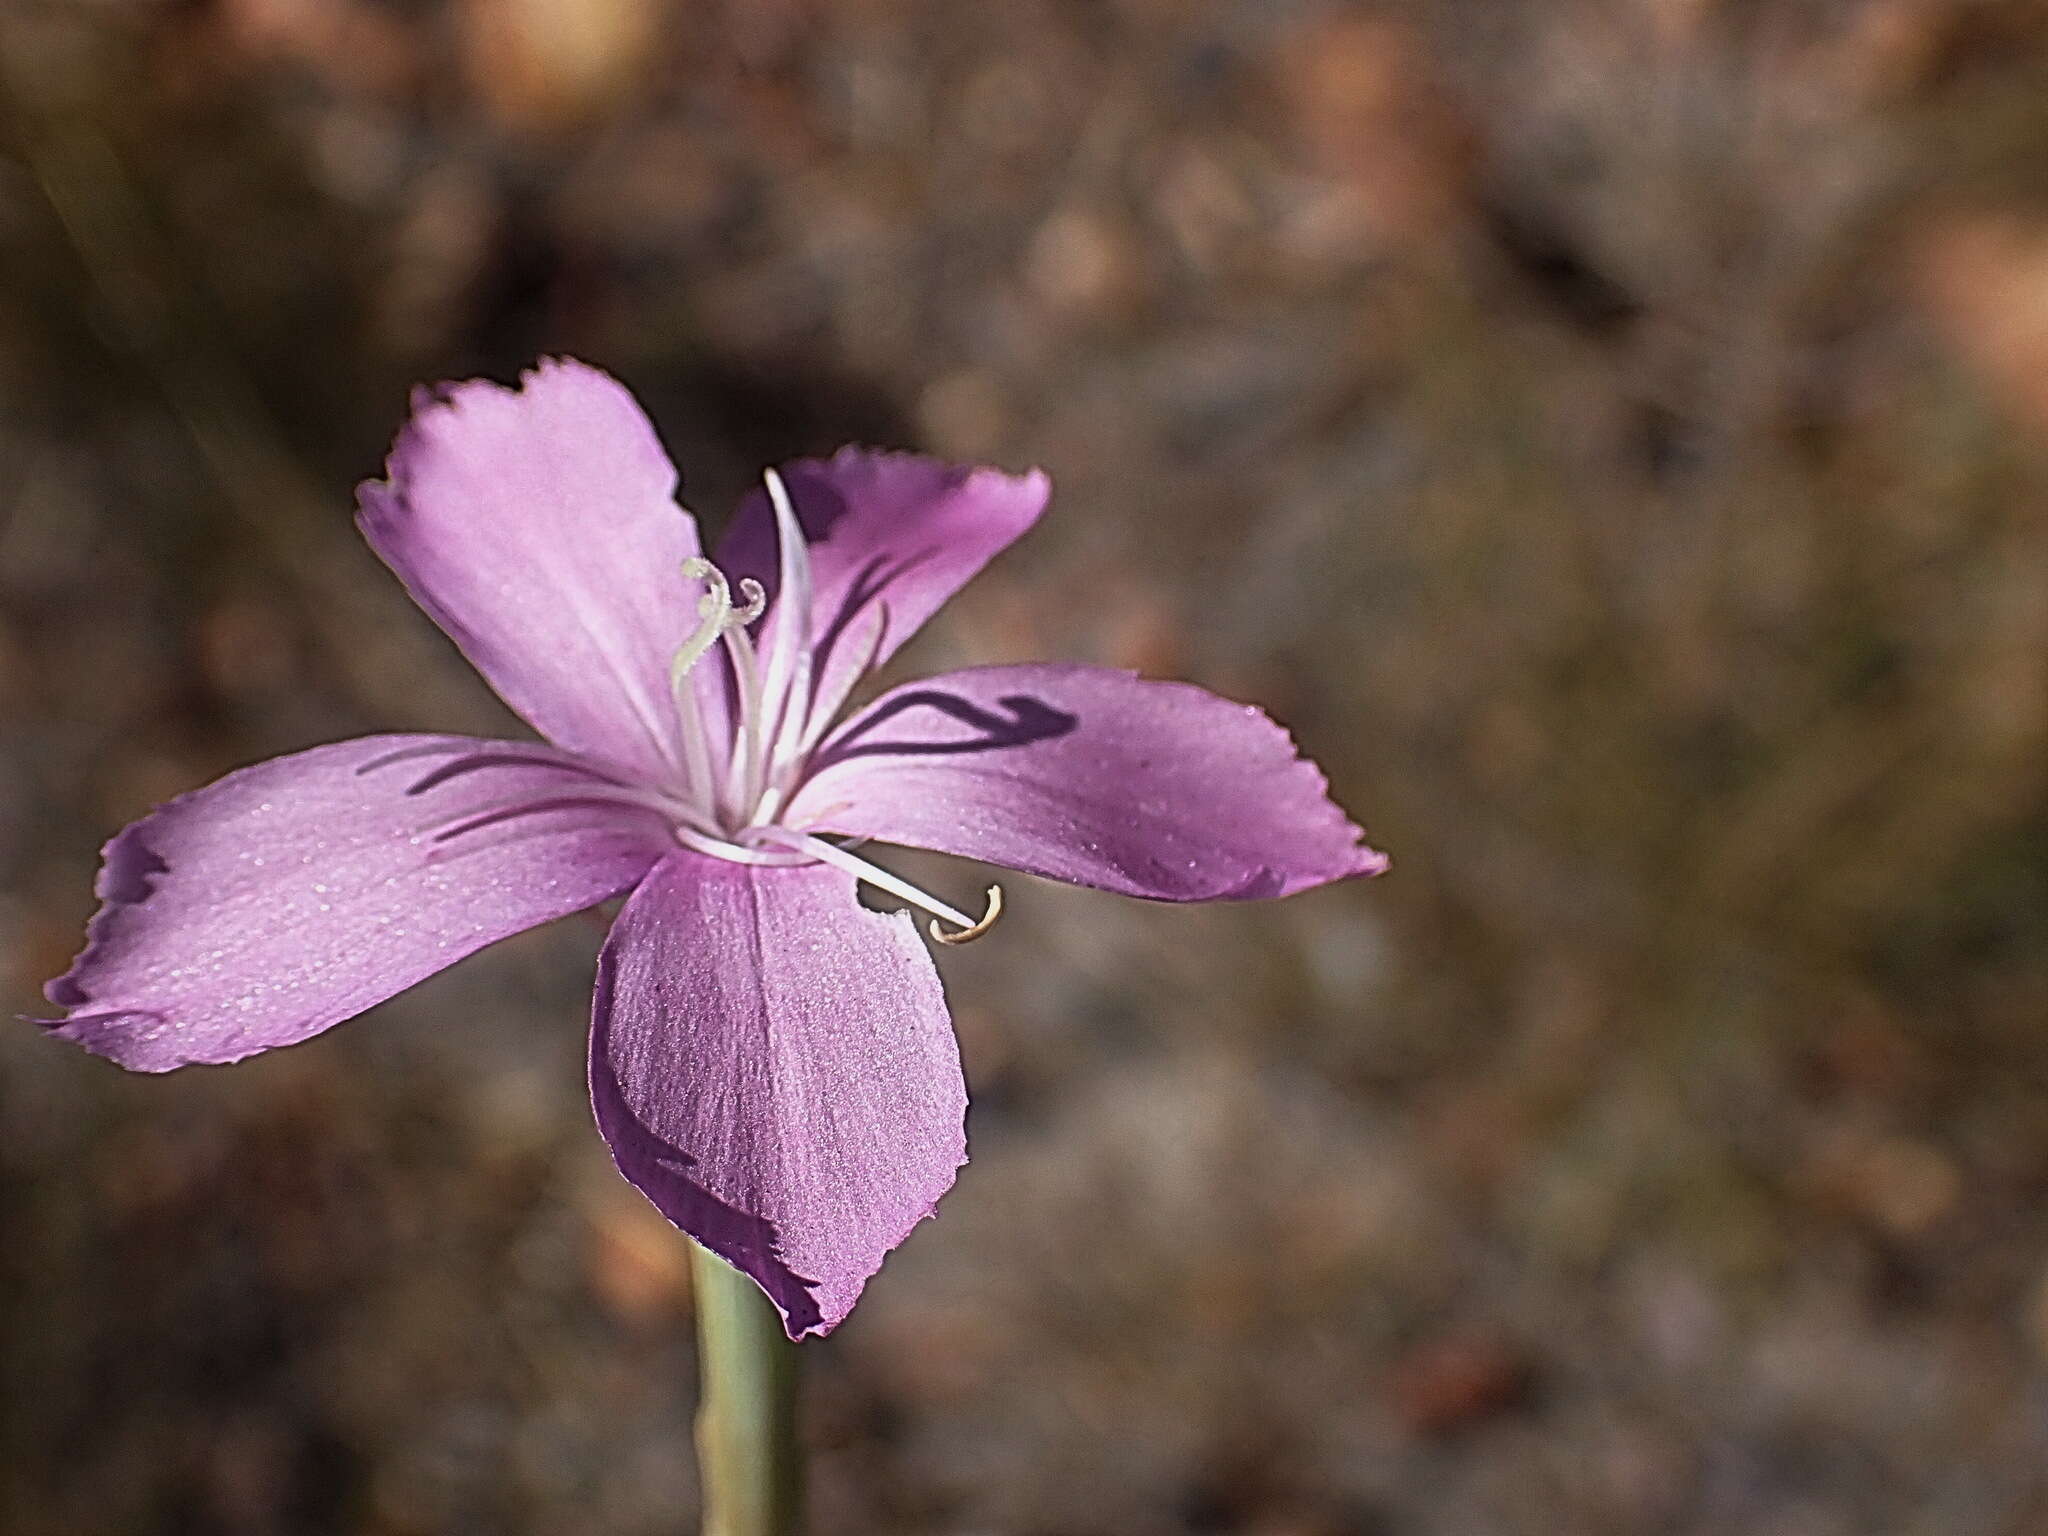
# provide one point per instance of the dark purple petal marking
(1019, 721)
(499, 815)
(477, 761)
(866, 587)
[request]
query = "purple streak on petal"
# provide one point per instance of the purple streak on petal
(1091, 776)
(890, 528)
(478, 762)
(773, 1066)
(955, 725)
(538, 527)
(292, 895)
(542, 806)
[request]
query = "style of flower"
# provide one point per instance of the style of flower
(771, 1061)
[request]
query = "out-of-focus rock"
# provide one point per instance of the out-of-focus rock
(541, 65)
(1363, 99)
(1984, 280)
(1455, 1380)
(1904, 1185)
(1084, 263)
(356, 45)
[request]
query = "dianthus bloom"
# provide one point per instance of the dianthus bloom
(771, 1061)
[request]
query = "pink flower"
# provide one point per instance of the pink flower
(771, 1062)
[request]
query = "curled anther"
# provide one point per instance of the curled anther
(969, 935)
(717, 598)
(753, 600)
(716, 613)
(712, 608)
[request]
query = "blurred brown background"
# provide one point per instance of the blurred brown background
(1613, 435)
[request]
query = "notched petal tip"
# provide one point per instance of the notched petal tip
(1349, 857)
(537, 524)
(134, 1039)
(1011, 500)
(435, 406)
(129, 872)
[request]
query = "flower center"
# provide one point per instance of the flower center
(748, 729)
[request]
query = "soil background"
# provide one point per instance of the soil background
(1613, 436)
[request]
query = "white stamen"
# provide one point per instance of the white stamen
(742, 779)
(722, 848)
(829, 853)
(740, 783)
(718, 617)
(771, 802)
(714, 612)
(786, 693)
(785, 741)
(714, 608)
(756, 600)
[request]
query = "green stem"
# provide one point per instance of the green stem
(746, 1409)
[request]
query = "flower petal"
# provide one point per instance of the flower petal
(1091, 776)
(773, 1066)
(538, 527)
(892, 535)
(292, 895)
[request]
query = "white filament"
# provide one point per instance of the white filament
(780, 718)
(861, 869)
(786, 694)
(714, 613)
